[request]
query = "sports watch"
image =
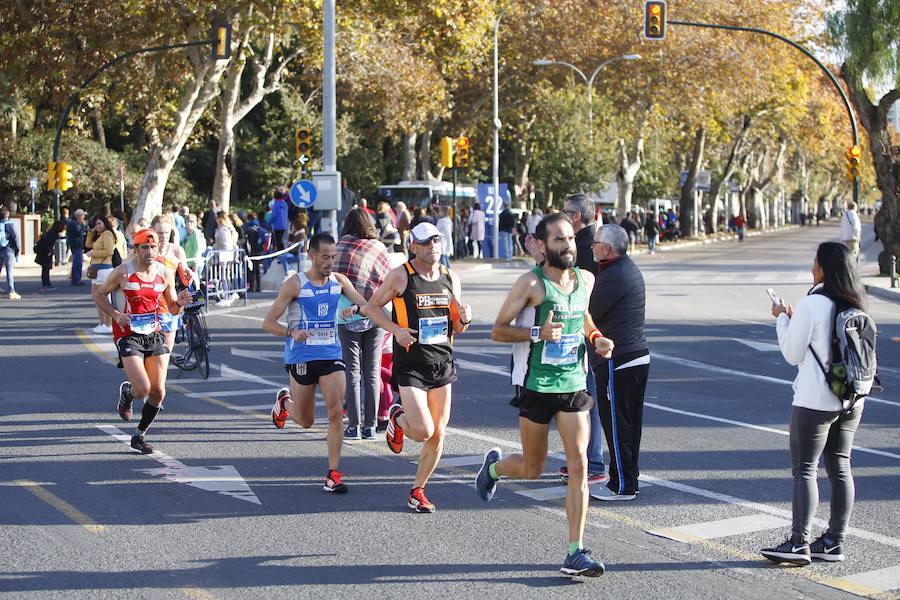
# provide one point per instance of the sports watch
(535, 334)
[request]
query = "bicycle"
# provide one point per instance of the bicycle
(193, 334)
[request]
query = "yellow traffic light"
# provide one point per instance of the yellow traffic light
(221, 41)
(302, 144)
(51, 176)
(462, 153)
(655, 20)
(446, 152)
(854, 158)
(63, 176)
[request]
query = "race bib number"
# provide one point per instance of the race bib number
(322, 334)
(144, 324)
(563, 352)
(433, 330)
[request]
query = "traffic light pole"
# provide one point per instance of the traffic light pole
(73, 99)
(455, 214)
(831, 77)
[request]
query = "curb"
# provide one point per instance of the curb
(892, 294)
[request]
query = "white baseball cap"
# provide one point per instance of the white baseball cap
(423, 232)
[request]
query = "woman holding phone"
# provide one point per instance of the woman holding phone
(818, 424)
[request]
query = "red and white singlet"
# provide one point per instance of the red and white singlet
(141, 302)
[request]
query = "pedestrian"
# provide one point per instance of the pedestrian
(102, 244)
(403, 224)
(387, 231)
(280, 220)
(259, 241)
(476, 237)
(548, 306)
(76, 231)
(9, 251)
(312, 349)
(363, 260)
(521, 232)
(445, 227)
(536, 216)
(507, 227)
(418, 217)
(618, 306)
(226, 236)
(740, 224)
(44, 250)
(851, 229)
(209, 221)
(818, 424)
(651, 230)
(629, 224)
(179, 228)
(194, 244)
(428, 313)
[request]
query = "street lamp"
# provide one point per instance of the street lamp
(542, 62)
(497, 125)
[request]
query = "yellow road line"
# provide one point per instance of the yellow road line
(61, 505)
(93, 347)
(197, 593)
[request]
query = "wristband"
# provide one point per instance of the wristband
(464, 323)
(594, 335)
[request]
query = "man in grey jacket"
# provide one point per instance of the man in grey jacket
(617, 306)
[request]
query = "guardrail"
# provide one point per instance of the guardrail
(225, 274)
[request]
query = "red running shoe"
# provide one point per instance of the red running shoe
(334, 484)
(394, 433)
(279, 412)
(419, 502)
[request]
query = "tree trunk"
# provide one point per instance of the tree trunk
(97, 126)
(628, 170)
(424, 158)
(715, 189)
(14, 127)
(197, 93)
(408, 152)
(688, 199)
(887, 169)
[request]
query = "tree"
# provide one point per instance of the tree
(866, 32)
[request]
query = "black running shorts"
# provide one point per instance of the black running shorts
(541, 408)
(308, 373)
(423, 377)
(142, 345)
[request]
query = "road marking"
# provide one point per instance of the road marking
(194, 380)
(252, 408)
(61, 505)
(267, 355)
(96, 349)
(221, 479)
(760, 346)
(230, 393)
(259, 319)
(724, 527)
(197, 593)
(881, 580)
(460, 461)
(476, 366)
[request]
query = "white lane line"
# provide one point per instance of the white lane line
(881, 580)
(724, 371)
(460, 461)
(759, 346)
(191, 381)
(555, 492)
(229, 311)
(723, 528)
(231, 393)
(252, 407)
(266, 355)
(260, 319)
(689, 489)
(477, 366)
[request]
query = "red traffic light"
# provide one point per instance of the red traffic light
(655, 20)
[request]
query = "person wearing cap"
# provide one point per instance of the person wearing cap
(428, 312)
(137, 332)
(76, 231)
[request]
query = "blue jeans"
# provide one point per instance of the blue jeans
(595, 445)
(8, 258)
(77, 264)
(445, 260)
(505, 244)
(651, 243)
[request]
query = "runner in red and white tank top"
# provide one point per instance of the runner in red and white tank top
(136, 328)
(173, 258)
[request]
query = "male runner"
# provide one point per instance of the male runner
(427, 313)
(136, 329)
(172, 256)
(550, 307)
(312, 350)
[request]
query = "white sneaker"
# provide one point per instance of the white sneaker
(607, 495)
(98, 328)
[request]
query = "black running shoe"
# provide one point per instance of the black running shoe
(138, 443)
(789, 552)
(125, 401)
(827, 550)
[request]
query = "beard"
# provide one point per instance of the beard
(561, 260)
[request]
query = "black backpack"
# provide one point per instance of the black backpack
(852, 373)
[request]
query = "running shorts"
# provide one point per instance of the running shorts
(541, 408)
(423, 377)
(308, 373)
(144, 346)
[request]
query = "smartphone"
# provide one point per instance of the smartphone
(773, 296)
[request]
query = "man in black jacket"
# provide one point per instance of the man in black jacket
(617, 307)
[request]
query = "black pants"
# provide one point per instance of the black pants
(620, 400)
(45, 272)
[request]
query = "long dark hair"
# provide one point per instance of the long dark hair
(102, 219)
(841, 282)
(358, 224)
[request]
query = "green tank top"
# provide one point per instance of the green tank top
(559, 367)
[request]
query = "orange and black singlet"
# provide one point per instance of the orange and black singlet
(426, 307)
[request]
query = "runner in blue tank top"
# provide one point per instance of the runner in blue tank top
(312, 350)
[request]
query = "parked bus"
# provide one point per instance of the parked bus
(425, 193)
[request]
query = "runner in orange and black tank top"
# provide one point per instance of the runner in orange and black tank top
(425, 306)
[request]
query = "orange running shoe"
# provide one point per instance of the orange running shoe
(419, 502)
(394, 433)
(334, 484)
(279, 412)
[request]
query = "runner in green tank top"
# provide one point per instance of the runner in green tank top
(550, 308)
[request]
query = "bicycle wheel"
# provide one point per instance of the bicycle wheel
(198, 344)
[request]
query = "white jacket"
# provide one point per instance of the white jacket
(445, 226)
(811, 325)
(850, 226)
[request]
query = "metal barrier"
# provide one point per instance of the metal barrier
(225, 273)
(60, 252)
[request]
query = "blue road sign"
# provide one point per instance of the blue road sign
(303, 193)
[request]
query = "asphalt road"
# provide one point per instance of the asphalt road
(234, 507)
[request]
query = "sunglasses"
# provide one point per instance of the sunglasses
(435, 239)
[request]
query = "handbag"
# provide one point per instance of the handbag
(92, 272)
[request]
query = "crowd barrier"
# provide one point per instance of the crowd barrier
(225, 273)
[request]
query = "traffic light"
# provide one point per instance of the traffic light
(51, 176)
(303, 143)
(446, 152)
(854, 156)
(462, 153)
(655, 20)
(221, 38)
(63, 176)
